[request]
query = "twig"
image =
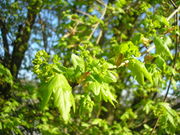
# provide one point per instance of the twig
(84, 13)
(175, 11)
(172, 2)
(71, 32)
(100, 2)
(148, 50)
(99, 37)
(96, 25)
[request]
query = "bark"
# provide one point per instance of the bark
(4, 38)
(20, 44)
(22, 38)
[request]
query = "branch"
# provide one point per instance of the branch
(99, 37)
(172, 2)
(84, 13)
(100, 2)
(21, 42)
(72, 31)
(44, 35)
(96, 25)
(175, 11)
(4, 37)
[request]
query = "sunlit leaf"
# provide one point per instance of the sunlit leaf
(107, 94)
(160, 62)
(139, 71)
(78, 61)
(63, 97)
(95, 87)
(86, 106)
(161, 46)
(110, 77)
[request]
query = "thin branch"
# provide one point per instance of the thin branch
(4, 37)
(172, 2)
(175, 11)
(84, 13)
(44, 35)
(99, 37)
(71, 32)
(97, 24)
(148, 50)
(100, 2)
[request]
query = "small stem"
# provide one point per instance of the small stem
(97, 24)
(175, 11)
(99, 37)
(172, 2)
(84, 13)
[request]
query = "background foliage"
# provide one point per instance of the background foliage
(102, 67)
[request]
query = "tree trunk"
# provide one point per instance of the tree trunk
(20, 44)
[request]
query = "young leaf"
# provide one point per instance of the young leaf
(104, 91)
(140, 78)
(110, 77)
(62, 95)
(46, 92)
(161, 46)
(107, 95)
(139, 71)
(95, 87)
(160, 62)
(63, 100)
(86, 106)
(78, 61)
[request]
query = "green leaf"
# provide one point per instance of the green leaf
(171, 119)
(63, 100)
(128, 49)
(46, 92)
(95, 87)
(78, 61)
(147, 106)
(129, 114)
(103, 90)
(107, 94)
(110, 77)
(86, 106)
(162, 46)
(63, 97)
(167, 107)
(167, 41)
(160, 62)
(139, 71)
(169, 113)
(5, 75)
